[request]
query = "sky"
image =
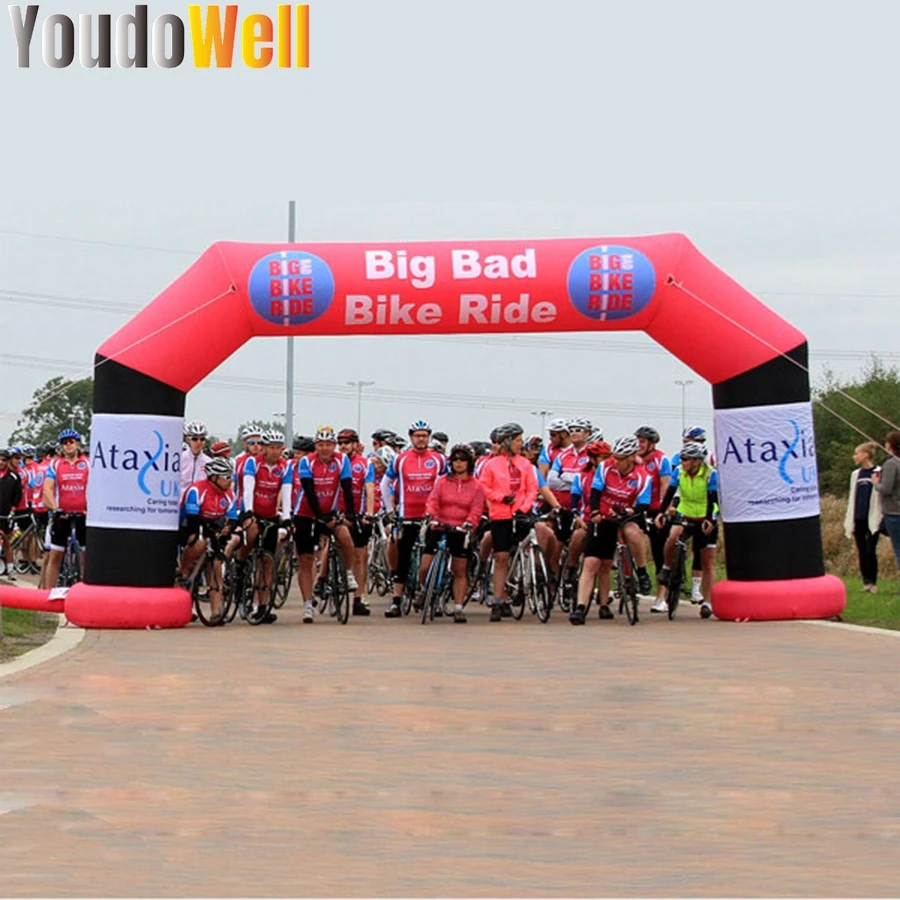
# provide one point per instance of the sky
(766, 132)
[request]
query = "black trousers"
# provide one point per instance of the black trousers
(866, 543)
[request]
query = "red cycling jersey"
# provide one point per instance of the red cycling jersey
(416, 472)
(326, 476)
(268, 482)
(209, 502)
(359, 468)
(657, 465)
(240, 463)
(38, 474)
(567, 466)
(70, 483)
(618, 490)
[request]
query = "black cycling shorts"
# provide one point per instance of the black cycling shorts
(308, 534)
(62, 528)
(602, 538)
(694, 528)
(507, 532)
(456, 543)
(360, 533)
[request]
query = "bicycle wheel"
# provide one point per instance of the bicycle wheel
(676, 579)
(209, 576)
(73, 563)
(412, 581)
(629, 586)
(543, 602)
(261, 576)
(340, 592)
(21, 547)
(231, 590)
(284, 574)
(432, 587)
(517, 597)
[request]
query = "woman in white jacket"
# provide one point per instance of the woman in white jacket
(863, 519)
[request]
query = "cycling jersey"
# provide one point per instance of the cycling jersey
(456, 501)
(267, 488)
(209, 502)
(565, 470)
(581, 492)
(657, 465)
(693, 491)
(548, 455)
(362, 472)
(69, 481)
(24, 477)
(416, 472)
(618, 490)
(240, 463)
(36, 485)
(191, 469)
(503, 476)
(326, 477)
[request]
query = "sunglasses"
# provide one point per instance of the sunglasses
(458, 459)
(251, 443)
(196, 439)
(346, 442)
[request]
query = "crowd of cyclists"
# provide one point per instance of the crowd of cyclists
(577, 497)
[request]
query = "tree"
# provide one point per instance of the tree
(59, 404)
(878, 387)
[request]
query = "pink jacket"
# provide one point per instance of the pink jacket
(496, 484)
(455, 502)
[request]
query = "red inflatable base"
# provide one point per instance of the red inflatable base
(26, 598)
(99, 606)
(766, 601)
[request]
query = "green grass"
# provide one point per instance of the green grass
(23, 630)
(881, 610)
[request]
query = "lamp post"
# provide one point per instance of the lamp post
(289, 368)
(683, 383)
(359, 385)
(543, 413)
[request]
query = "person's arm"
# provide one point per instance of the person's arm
(851, 504)
(369, 485)
(492, 491)
(387, 494)
(476, 511)
(50, 489)
(284, 500)
(888, 480)
(665, 475)
(544, 461)
(597, 486)
(712, 496)
(249, 484)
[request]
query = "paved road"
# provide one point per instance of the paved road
(683, 758)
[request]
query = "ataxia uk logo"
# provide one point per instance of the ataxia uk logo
(284, 41)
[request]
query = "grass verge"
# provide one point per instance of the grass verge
(23, 630)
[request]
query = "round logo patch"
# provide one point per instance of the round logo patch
(610, 282)
(290, 287)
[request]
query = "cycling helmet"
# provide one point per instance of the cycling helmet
(195, 429)
(694, 433)
(625, 446)
(326, 433)
(441, 436)
(28, 449)
(249, 431)
(464, 450)
(220, 448)
(495, 439)
(648, 433)
(304, 444)
(397, 442)
(272, 437)
(596, 435)
(435, 445)
(219, 465)
(419, 425)
(558, 425)
(508, 431)
(67, 433)
(383, 434)
(598, 448)
(385, 454)
(4, 453)
(16, 450)
(535, 442)
(348, 434)
(580, 423)
(693, 450)
(48, 448)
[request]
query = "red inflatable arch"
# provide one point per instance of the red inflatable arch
(661, 284)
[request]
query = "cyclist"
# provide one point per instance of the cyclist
(210, 512)
(696, 434)
(532, 449)
(266, 503)
(322, 474)
(220, 448)
(10, 494)
(193, 459)
(571, 460)
(693, 492)
(510, 489)
(65, 496)
(382, 437)
(620, 494)
(19, 465)
(660, 470)
(363, 476)
(251, 436)
(457, 500)
(441, 439)
(558, 430)
(415, 471)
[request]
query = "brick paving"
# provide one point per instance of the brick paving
(511, 759)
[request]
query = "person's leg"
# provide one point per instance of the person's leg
(872, 560)
(586, 583)
(54, 561)
(892, 527)
(638, 544)
(860, 533)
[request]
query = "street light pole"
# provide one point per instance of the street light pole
(683, 383)
(543, 413)
(359, 385)
(289, 369)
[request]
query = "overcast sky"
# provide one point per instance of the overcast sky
(765, 131)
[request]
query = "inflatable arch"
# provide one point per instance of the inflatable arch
(661, 284)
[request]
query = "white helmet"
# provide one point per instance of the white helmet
(580, 423)
(385, 454)
(219, 465)
(272, 437)
(558, 425)
(596, 435)
(326, 433)
(195, 429)
(625, 446)
(693, 450)
(250, 431)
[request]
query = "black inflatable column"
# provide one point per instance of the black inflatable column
(765, 455)
(133, 488)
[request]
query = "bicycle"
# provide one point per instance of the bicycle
(411, 585)
(285, 567)
(527, 580)
(378, 577)
(676, 578)
(439, 579)
(213, 571)
(335, 589)
(566, 589)
(26, 546)
(70, 569)
(255, 597)
(626, 577)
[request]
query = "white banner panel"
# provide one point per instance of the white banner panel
(766, 459)
(135, 464)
